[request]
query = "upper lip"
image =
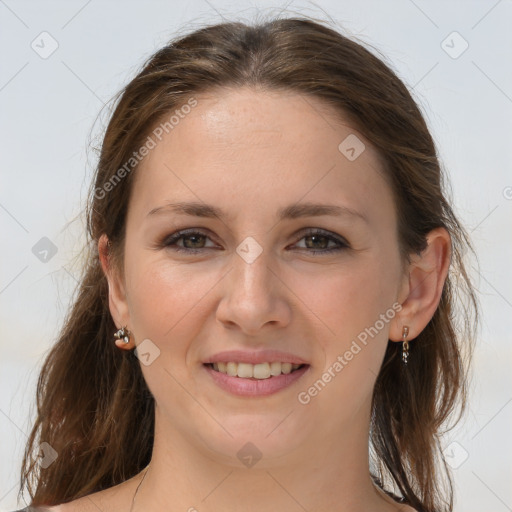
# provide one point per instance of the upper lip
(255, 357)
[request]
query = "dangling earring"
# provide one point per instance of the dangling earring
(123, 334)
(405, 345)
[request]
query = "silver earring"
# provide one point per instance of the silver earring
(123, 334)
(405, 345)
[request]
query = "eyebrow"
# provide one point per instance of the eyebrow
(293, 211)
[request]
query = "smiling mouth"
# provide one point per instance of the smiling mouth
(258, 371)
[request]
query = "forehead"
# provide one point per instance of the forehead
(255, 149)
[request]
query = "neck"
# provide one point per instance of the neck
(330, 473)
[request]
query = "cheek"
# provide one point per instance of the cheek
(167, 306)
(354, 307)
(164, 299)
(348, 300)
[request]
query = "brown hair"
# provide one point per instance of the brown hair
(90, 394)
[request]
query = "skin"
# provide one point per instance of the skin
(252, 152)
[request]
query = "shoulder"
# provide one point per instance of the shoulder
(39, 509)
(402, 507)
(397, 504)
(117, 498)
(78, 505)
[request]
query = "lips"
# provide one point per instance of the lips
(255, 373)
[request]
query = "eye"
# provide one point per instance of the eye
(193, 241)
(318, 240)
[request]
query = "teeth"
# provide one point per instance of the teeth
(286, 367)
(261, 371)
(275, 368)
(245, 370)
(231, 369)
(257, 371)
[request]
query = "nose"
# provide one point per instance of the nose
(254, 297)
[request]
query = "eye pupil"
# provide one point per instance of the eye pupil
(195, 237)
(317, 237)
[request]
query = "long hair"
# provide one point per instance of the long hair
(90, 394)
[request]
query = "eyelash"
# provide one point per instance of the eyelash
(170, 241)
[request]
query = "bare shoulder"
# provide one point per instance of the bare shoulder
(85, 504)
(90, 503)
(114, 499)
(405, 508)
(79, 505)
(394, 505)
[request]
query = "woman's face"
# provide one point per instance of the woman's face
(261, 276)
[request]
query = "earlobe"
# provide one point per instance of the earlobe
(427, 275)
(116, 292)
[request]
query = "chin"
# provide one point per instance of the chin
(261, 440)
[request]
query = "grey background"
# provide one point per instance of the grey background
(49, 106)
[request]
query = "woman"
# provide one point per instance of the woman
(266, 317)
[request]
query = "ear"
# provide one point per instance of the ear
(423, 285)
(116, 292)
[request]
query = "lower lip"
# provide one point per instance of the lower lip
(255, 387)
